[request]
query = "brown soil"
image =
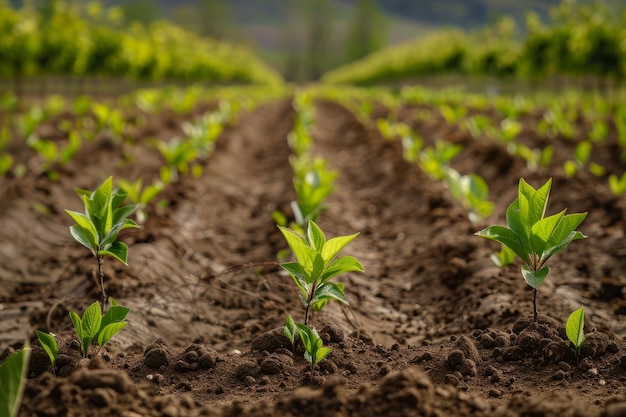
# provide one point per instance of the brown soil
(434, 328)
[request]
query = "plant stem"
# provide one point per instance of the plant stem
(535, 304)
(101, 274)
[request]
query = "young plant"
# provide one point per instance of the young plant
(49, 345)
(12, 376)
(141, 196)
(316, 264)
(314, 349)
(98, 227)
(533, 237)
(93, 327)
(575, 329)
(617, 184)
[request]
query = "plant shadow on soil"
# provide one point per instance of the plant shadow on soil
(433, 328)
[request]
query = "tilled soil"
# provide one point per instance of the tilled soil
(434, 328)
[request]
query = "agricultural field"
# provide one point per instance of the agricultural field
(439, 320)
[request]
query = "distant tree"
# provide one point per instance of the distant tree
(144, 11)
(215, 19)
(318, 49)
(367, 32)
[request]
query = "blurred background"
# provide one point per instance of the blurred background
(302, 40)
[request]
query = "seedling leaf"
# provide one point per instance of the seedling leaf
(49, 345)
(118, 250)
(535, 278)
(109, 331)
(575, 327)
(12, 375)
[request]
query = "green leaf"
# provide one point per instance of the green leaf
(109, 331)
(84, 237)
(88, 233)
(12, 376)
(535, 278)
(78, 324)
(575, 327)
(335, 245)
(329, 291)
(508, 238)
(341, 265)
(117, 250)
(92, 318)
(300, 248)
(543, 230)
(49, 345)
(115, 314)
(290, 330)
(297, 273)
(316, 236)
(317, 270)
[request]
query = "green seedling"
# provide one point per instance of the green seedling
(435, 161)
(533, 237)
(98, 227)
(12, 376)
(94, 328)
(313, 183)
(575, 329)
(314, 349)
(472, 191)
(316, 264)
(49, 345)
(140, 196)
(503, 257)
(178, 155)
(617, 185)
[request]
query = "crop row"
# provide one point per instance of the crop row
(591, 128)
(578, 40)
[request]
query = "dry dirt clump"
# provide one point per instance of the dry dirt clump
(434, 328)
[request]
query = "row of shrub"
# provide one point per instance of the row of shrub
(65, 41)
(578, 40)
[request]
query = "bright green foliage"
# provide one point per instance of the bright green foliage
(139, 195)
(472, 191)
(178, 155)
(93, 327)
(290, 330)
(316, 264)
(575, 329)
(504, 257)
(617, 184)
(313, 184)
(12, 375)
(104, 217)
(532, 236)
(314, 349)
(434, 161)
(49, 345)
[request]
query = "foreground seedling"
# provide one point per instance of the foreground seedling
(575, 329)
(95, 328)
(12, 376)
(314, 349)
(316, 264)
(533, 237)
(97, 228)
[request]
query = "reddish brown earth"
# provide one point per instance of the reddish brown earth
(434, 328)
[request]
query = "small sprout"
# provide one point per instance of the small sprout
(533, 237)
(98, 227)
(94, 328)
(316, 264)
(290, 330)
(12, 376)
(617, 185)
(49, 345)
(574, 328)
(314, 349)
